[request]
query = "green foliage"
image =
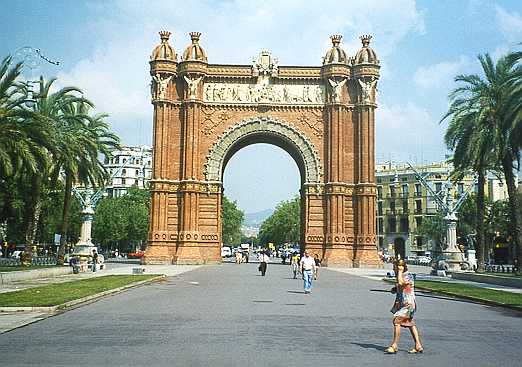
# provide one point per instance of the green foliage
(232, 218)
(283, 225)
(122, 222)
(433, 229)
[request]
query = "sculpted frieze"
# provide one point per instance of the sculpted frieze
(312, 94)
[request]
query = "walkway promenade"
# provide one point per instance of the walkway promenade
(228, 315)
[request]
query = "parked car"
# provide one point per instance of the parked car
(135, 255)
(226, 251)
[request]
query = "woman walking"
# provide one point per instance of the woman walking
(404, 308)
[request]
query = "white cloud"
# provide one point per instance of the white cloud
(440, 75)
(407, 133)
(116, 76)
(510, 24)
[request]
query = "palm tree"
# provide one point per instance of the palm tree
(493, 104)
(82, 140)
(471, 142)
(49, 112)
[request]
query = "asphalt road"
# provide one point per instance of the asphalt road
(228, 315)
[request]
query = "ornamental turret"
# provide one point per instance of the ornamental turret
(164, 51)
(336, 55)
(366, 55)
(194, 51)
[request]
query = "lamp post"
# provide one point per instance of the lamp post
(31, 58)
(450, 258)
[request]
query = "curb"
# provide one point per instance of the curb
(64, 306)
(469, 298)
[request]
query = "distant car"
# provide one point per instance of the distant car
(135, 255)
(226, 251)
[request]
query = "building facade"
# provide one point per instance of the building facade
(128, 167)
(322, 115)
(403, 203)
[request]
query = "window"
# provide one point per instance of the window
(123, 181)
(392, 206)
(418, 240)
(418, 222)
(404, 178)
(418, 206)
(418, 191)
(392, 225)
(438, 187)
(124, 172)
(137, 172)
(379, 208)
(379, 192)
(405, 206)
(380, 225)
(404, 225)
(392, 191)
(379, 180)
(136, 182)
(405, 191)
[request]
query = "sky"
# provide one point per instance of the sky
(104, 46)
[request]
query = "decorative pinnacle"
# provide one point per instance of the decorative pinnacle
(365, 38)
(336, 39)
(194, 36)
(164, 35)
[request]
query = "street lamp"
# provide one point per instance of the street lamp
(31, 58)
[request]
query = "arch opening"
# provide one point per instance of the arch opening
(264, 130)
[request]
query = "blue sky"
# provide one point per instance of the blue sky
(104, 48)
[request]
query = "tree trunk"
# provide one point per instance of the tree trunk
(480, 222)
(34, 209)
(514, 208)
(65, 219)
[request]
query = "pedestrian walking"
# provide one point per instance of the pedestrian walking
(308, 270)
(294, 263)
(317, 266)
(263, 263)
(94, 260)
(403, 308)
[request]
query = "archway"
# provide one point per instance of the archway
(322, 116)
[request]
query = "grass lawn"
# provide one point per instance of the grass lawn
(23, 268)
(56, 294)
(468, 291)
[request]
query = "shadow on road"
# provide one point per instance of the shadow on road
(380, 348)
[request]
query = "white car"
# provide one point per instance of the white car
(226, 251)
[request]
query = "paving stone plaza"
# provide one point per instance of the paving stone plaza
(228, 315)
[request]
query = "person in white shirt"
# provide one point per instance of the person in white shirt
(308, 270)
(263, 263)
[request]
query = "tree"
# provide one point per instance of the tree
(487, 115)
(231, 219)
(284, 223)
(433, 229)
(82, 138)
(122, 222)
(472, 142)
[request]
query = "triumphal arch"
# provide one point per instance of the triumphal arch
(323, 116)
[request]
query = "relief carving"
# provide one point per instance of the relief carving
(367, 89)
(159, 86)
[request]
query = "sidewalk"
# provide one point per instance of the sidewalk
(422, 273)
(13, 320)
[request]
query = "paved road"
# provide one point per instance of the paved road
(228, 315)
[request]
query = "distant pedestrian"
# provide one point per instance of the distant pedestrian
(294, 263)
(317, 266)
(403, 308)
(263, 263)
(94, 260)
(308, 270)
